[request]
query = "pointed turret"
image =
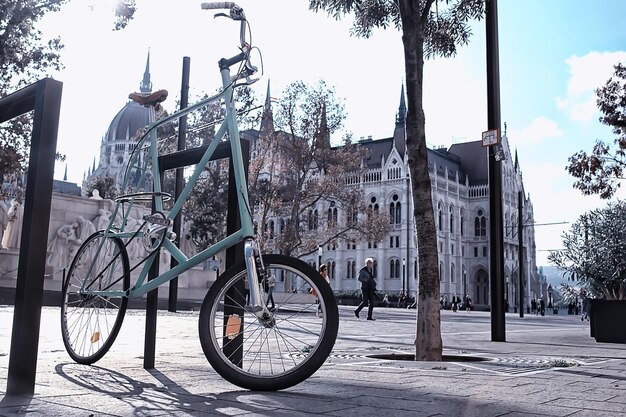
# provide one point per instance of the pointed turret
(399, 134)
(146, 84)
(516, 167)
(324, 132)
(267, 119)
(401, 116)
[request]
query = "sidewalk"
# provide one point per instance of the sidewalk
(549, 366)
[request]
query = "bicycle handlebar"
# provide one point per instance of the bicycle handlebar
(218, 5)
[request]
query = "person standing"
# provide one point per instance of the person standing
(324, 274)
(368, 289)
(271, 283)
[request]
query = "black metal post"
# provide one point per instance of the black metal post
(520, 252)
(496, 238)
(179, 185)
(45, 98)
(408, 225)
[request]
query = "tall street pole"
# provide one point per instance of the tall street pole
(520, 254)
(496, 238)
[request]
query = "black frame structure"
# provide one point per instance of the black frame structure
(234, 254)
(44, 97)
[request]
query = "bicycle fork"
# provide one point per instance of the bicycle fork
(259, 307)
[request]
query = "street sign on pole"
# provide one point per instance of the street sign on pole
(491, 137)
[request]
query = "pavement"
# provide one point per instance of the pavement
(548, 366)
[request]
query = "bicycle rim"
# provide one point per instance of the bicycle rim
(269, 355)
(90, 323)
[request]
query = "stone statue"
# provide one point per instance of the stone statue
(85, 228)
(63, 246)
(95, 194)
(102, 221)
(4, 221)
(13, 234)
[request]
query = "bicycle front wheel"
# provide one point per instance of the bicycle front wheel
(90, 322)
(279, 352)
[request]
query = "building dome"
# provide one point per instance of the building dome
(132, 117)
(120, 138)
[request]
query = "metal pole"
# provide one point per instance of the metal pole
(496, 238)
(408, 226)
(182, 130)
(520, 254)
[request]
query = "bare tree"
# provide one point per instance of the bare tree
(305, 192)
(425, 33)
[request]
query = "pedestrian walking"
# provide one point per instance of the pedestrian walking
(468, 303)
(271, 283)
(368, 289)
(455, 302)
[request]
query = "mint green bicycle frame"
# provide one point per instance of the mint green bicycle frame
(142, 287)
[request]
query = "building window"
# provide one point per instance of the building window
(485, 251)
(332, 215)
(440, 215)
(441, 271)
(451, 219)
(375, 268)
(461, 221)
(452, 249)
(476, 252)
(480, 224)
(394, 268)
(451, 272)
(395, 210)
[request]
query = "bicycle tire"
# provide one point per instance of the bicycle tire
(272, 357)
(90, 323)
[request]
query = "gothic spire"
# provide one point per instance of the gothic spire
(267, 119)
(516, 166)
(401, 116)
(146, 85)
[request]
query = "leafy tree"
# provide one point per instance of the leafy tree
(594, 253)
(25, 56)
(295, 171)
(425, 33)
(207, 204)
(600, 171)
(105, 185)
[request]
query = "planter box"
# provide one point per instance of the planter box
(607, 318)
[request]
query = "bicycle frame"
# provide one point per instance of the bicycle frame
(229, 125)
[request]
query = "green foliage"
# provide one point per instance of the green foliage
(207, 203)
(594, 254)
(601, 171)
(25, 57)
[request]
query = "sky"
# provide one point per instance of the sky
(553, 55)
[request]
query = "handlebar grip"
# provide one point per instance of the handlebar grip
(218, 5)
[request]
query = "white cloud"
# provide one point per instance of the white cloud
(539, 129)
(587, 73)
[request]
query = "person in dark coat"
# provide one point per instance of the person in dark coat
(368, 289)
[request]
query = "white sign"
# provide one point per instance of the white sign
(491, 137)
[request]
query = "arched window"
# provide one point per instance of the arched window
(451, 272)
(480, 224)
(451, 219)
(282, 226)
(441, 271)
(440, 215)
(331, 269)
(271, 229)
(375, 268)
(461, 220)
(394, 268)
(395, 210)
(349, 270)
(310, 218)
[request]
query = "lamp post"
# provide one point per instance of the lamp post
(403, 275)
(319, 257)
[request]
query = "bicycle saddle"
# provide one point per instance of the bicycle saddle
(149, 99)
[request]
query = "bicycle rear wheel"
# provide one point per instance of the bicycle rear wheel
(90, 323)
(277, 353)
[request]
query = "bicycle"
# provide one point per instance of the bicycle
(254, 347)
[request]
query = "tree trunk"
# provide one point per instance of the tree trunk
(428, 344)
